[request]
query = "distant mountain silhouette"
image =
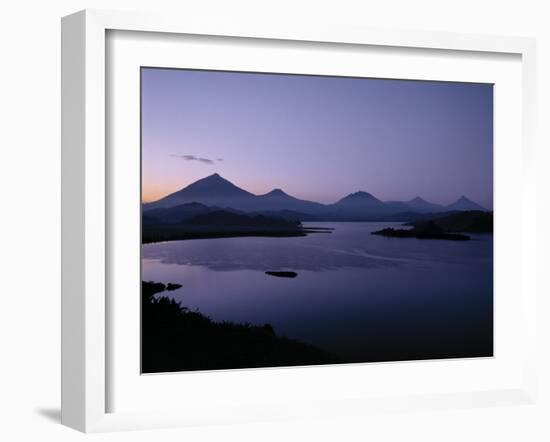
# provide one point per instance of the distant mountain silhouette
(211, 191)
(358, 198)
(279, 200)
(215, 192)
(358, 206)
(463, 204)
(417, 204)
(421, 205)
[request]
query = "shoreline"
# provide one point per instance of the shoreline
(157, 237)
(412, 233)
(175, 338)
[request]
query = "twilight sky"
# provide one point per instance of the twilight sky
(317, 138)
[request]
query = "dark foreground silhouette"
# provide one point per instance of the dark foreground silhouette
(177, 339)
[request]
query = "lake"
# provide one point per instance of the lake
(360, 296)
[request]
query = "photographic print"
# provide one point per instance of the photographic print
(293, 220)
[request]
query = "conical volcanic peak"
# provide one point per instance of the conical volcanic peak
(419, 204)
(358, 206)
(216, 191)
(418, 199)
(276, 192)
(211, 180)
(213, 190)
(464, 204)
(359, 196)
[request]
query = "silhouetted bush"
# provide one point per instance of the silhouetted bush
(177, 339)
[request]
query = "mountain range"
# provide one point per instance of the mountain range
(215, 191)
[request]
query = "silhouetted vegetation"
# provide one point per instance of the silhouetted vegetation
(176, 214)
(474, 221)
(152, 234)
(177, 339)
(445, 227)
(429, 230)
(171, 286)
(222, 218)
(196, 221)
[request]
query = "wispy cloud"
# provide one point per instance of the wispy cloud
(196, 158)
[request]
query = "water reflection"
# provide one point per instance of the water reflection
(363, 296)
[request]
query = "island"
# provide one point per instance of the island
(471, 221)
(175, 338)
(420, 234)
(282, 274)
(447, 227)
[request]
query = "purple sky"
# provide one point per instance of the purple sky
(318, 138)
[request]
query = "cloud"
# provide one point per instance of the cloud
(196, 158)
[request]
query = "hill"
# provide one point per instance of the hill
(191, 221)
(210, 191)
(464, 204)
(278, 200)
(215, 192)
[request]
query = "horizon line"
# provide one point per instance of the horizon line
(216, 174)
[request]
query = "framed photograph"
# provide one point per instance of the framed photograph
(262, 222)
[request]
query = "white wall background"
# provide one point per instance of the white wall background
(30, 219)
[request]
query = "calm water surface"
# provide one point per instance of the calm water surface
(361, 296)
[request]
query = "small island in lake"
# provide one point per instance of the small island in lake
(448, 227)
(419, 234)
(471, 221)
(282, 274)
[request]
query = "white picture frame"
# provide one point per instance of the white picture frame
(85, 213)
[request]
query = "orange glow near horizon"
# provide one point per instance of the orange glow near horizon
(317, 138)
(150, 194)
(153, 190)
